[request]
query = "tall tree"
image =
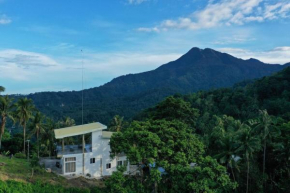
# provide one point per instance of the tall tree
(6, 111)
(37, 127)
(2, 89)
(264, 126)
(227, 154)
(48, 136)
(248, 144)
(117, 123)
(67, 122)
(24, 112)
(172, 146)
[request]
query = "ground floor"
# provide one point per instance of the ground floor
(87, 165)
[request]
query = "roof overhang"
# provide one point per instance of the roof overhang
(78, 130)
(107, 134)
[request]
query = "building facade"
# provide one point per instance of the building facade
(91, 159)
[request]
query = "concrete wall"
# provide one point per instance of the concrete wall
(101, 153)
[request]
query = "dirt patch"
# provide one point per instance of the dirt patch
(85, 183)
(4, 177)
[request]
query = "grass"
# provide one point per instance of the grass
(20, 170)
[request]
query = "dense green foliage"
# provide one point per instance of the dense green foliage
(172, 146)
(224, 140)
(127, 95)
(38, 187)
(240, 133)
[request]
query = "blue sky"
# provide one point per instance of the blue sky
(41, 41)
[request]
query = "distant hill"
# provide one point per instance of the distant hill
(198, 69)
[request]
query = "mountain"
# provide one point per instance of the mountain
(198, 69)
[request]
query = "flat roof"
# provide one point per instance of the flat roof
(107, 134)
(78, 130)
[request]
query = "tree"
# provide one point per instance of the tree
(264, 126)
(67, 122)
(164, 144)
(2, 89)
(118, 182)
(37, 127)
(174, 109)
(117, 123)
(24, 113)
(6, 111)
(48, 136)
(248, 145)
(227, 154)
(34, 162)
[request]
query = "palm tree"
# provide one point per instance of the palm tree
(227, 153)
(263, 126)
(6, 111)
(24, 112)
(248, 145)
(2, 89)
(48, 135)
(67, 122)
(37, 127)
(117, 123)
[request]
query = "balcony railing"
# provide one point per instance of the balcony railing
(72, 149)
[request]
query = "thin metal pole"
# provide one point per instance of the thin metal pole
(82, 87)
(28, 151)
(83, 154)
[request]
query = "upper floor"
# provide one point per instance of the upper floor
(83, 139)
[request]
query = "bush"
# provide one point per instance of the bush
(20, 155)
(39, 170)
(17, 187)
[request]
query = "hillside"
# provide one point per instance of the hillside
(198, 69)
(16, 175)
(231, 122)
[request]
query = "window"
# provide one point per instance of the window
(125, 163)
(70, 167)
(92, 160)
(119, 163)
(70, 164)
(108, 165)
(69, 159)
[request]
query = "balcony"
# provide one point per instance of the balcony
(72, 149)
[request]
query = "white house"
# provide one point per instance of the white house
(94, 159)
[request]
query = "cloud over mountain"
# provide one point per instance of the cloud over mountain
(226, 13)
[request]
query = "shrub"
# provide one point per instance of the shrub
(39, 170)
(18, 187)
(20, 155)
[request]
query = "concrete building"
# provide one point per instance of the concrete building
(91, 157)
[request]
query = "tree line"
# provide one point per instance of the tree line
(225, 140)
(36, 126)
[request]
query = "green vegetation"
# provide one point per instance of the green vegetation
(128, 95)
(224, 140)
(238, 140)
(16, 176)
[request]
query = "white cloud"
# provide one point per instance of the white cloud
(226, 13)
(120, 63)
(144, 29)
(277, 55)
(235, 39)
(23, 65)
(38, 72)
(4, 19)
(136, 1)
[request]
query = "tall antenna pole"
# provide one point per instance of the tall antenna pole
(82, 87)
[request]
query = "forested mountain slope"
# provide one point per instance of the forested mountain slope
(199, 69)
